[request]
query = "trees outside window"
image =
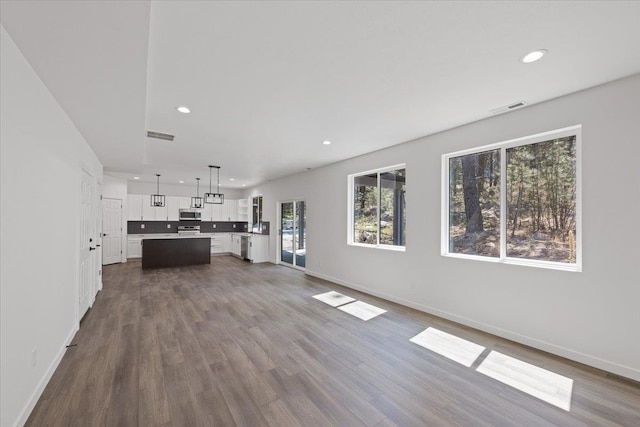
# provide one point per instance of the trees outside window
(378, 207)
(516, 202)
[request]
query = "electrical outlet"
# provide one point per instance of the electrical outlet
(214, 225)
(34, 358)
(168, 225)
(142, 226)
(234, 226)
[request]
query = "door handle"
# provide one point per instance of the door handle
(97, 246)
(92, 249)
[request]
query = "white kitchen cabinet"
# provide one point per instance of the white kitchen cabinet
(134, 207)
(134, 247)
(236, 245)
(185, 202)
(217, 243)
(216, 212)
(226, 242)
(173, 208)
(258, 250)
(152, 213)
(232, 210)
(174, 204)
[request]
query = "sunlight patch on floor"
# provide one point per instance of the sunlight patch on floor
(454, 348)
(362, 310)
(334, 299)
(537, 382)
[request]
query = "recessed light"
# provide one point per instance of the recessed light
(244, 185)
(181, 182)
(326, 142)
(232, 179)
(533, 56)
(183, 109)
(136, 177)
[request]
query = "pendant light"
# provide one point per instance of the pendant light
(197, 202)
(214, 198)
(157, 200)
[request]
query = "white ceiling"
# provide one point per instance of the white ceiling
(267, 82)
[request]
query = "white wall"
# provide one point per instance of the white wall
(182, 190)
(592, 317)
(41, 155)
(116, 188)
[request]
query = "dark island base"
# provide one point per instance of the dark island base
(157, 253)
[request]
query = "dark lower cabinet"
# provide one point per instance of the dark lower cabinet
(157, 253)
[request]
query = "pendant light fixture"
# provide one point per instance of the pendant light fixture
(214, 198)
(157, 199)
(197, 202)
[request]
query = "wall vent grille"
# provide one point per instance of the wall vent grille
(509, 107)
(160, 135)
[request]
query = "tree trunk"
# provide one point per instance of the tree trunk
(471, 197)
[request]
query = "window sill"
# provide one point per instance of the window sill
(383, 247)
(576, 268)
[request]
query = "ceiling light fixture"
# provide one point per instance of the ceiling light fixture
(197, 202)
(210, 197)
(244, 185)
(533, 56)
(183, 109)
(232, 179)
(157, 200)
(326, 142)
(136, 177)
(181, 182)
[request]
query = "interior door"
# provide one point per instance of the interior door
(293, 233)
(112, 231)
(87, 245)
(97, 215)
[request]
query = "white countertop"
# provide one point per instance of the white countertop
(171, 236)
(185, 236)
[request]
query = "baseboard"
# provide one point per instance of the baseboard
(577, 356)
(24, 415)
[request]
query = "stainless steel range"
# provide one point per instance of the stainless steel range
(188, 229)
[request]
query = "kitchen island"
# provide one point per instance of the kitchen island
(176, 251)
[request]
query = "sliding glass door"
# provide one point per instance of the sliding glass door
(293, 233)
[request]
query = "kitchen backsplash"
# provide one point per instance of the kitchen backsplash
(158, 227)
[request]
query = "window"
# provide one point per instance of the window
(377, 208)
(256, 214)
(516, 202)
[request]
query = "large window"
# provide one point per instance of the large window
(515, 202)
(377, 210)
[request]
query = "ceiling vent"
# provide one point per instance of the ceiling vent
(507, 108)
(159, 135)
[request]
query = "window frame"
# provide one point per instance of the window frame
(576, 131)
(350, 209)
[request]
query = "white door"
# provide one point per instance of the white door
(112, 231)
(87, 245)
(97, 216)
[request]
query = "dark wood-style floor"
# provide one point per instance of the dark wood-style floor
(233, 343)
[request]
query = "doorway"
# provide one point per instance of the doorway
(112, 231)
(293, 233)
(87, 244)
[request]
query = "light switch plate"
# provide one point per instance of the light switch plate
(214, 225)
(234, 226)
(142, 226)
(168, 225)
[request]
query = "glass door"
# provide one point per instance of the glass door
(293, 233)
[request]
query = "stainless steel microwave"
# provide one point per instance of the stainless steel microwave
(190, 215)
